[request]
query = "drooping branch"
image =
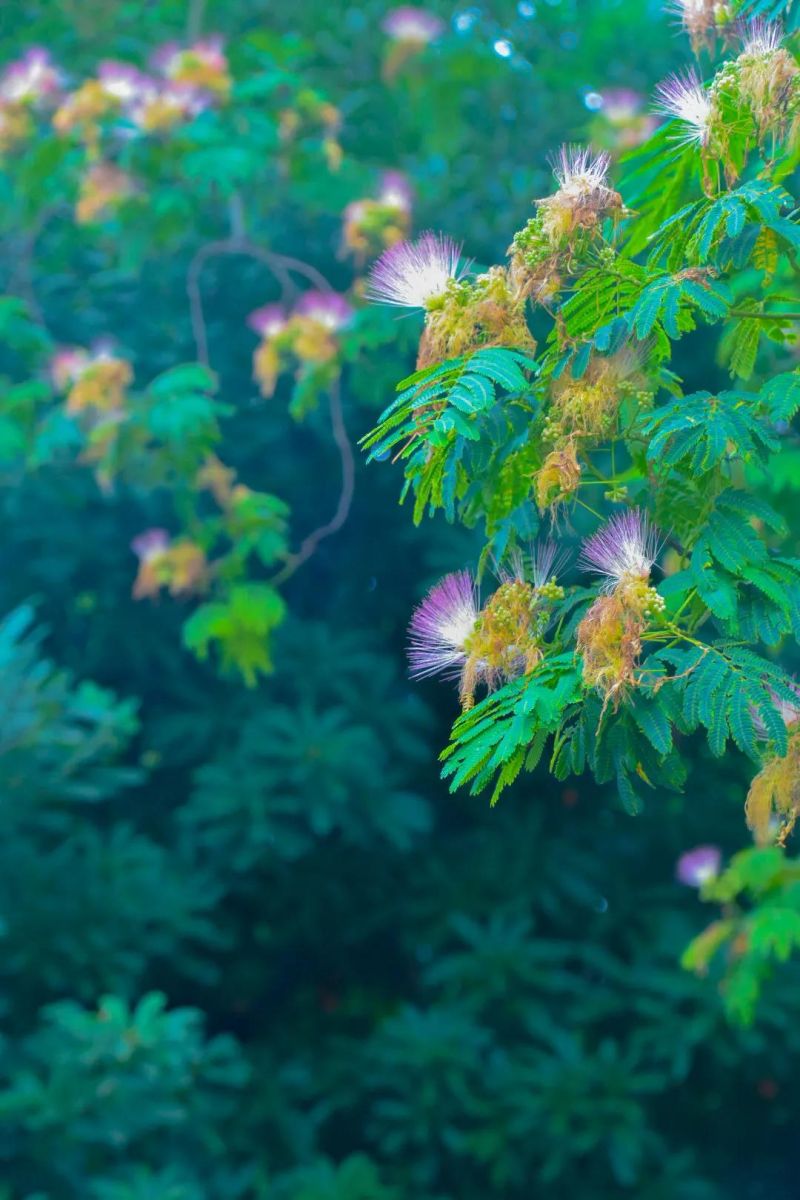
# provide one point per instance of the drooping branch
(342, 441)
(282, 267)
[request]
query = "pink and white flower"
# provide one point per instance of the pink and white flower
(268, 321)
(684, 97)
(150, 544)
(170, 59)
(762, 37)
(698, 866)
(626, 547)
(441, 625)
(579, 172)
(68, 365)
(395, 191)
(123, 81)
(330, 309)
(411, 24)
(412, 274)
(31, 78)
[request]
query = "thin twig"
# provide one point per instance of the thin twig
(194, 19)
(282, 266)
(310, 543)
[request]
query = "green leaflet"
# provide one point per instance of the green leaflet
(493, 739)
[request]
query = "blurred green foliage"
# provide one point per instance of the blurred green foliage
(250, 948)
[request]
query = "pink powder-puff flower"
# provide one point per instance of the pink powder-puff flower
(626, 547)
(440, 627)
(67, 366)
(395, 191)
(32, 78)
(268, 320)
(579, 172)
(412, 274)
(410, 24)
(683, 97)
(150, 544)
(698, 866)
(327, 308)
(123, 81)
(762, 37)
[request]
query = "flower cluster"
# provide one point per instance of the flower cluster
(623, 552)
(375, 223)
(573, 216)
(308, 335)
(95, 384)
(773, 801)
(703, 20)
(460, 314)
(452, 635)
(754, 96)
(94, 381)
(586, 410)
(179, 565)
(184, 82)
(29, 84)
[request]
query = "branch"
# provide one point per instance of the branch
(281, 266)
(310, 543)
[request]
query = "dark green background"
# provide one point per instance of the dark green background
(373, 989)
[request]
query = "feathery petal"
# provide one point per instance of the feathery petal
(627, 545)
(683, 96)
(411, 274)
(441, 625)
(697, 866)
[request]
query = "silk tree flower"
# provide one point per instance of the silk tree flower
(767, 78)
(541, 567)
(202, 65)
(579, 172)
(395, 191)
(698, 866)
(123, 81)
(702, 20)
(160, 108)
(150, 544)
(178, 565)
(762, 37)
(411, 24)
(625, 548)
(329, 309)
(684, 97)
(452, 636)
(268, 320)
(582, 201)
(32, 79)
(773, 800)
(788, 711)
(609, 636)
(413, 274)
(67, 366)
(93, 380)
(372, 224)
(441, 626)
